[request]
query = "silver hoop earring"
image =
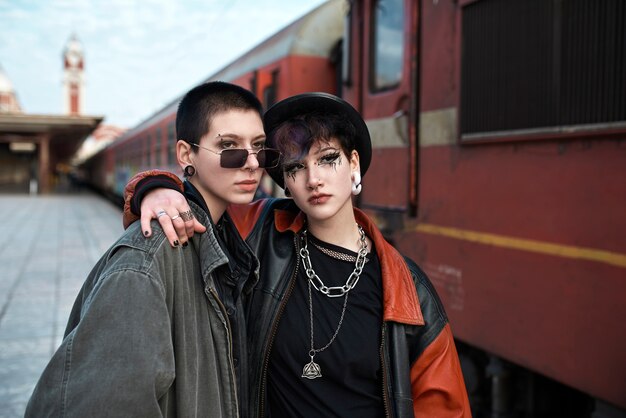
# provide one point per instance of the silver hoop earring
(356, 183)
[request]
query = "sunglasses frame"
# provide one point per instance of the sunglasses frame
(256, 153)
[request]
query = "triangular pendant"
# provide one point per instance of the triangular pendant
(311, 370)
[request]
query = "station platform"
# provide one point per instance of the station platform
(48, 245)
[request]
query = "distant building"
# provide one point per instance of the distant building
(8, 99)
(35, 150)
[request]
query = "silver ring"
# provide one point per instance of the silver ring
(175, 216)
(187, 216)
(161, 213)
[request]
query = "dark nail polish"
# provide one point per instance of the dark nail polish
(146, 233)
(176, 243)
(186, 243)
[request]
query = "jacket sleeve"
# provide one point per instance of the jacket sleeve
(118, 360)
(437, 384)
(140, 184)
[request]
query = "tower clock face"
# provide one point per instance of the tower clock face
(73, 59)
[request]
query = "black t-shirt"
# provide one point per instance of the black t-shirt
(351, 383)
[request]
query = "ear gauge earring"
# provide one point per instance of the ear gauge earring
(287, 192)
(189, 171)
(356, 183)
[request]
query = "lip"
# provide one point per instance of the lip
(318, 198)
(247, 185)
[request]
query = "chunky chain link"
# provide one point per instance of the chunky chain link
(353, 279)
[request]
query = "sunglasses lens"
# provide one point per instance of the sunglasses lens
(236, 158)
(233, 158)
(268, 158)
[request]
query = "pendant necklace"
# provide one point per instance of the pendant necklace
(312, 370)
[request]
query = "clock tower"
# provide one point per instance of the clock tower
(73, 78)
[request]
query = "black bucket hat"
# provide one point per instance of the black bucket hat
(301, 104)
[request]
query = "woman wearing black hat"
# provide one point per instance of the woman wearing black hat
(340, 323)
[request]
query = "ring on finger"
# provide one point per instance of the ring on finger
(161, 213)
(187, 216)
(176, 216)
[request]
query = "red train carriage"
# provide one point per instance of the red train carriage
(500, 167)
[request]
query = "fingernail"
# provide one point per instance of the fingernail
(186, 243)
(176, 243)
(146, 233)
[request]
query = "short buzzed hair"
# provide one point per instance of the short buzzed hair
(198, 107)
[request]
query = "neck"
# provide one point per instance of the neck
(216, 206)
(341, 230)
(216, 210)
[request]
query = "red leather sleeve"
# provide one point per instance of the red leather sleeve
(437, 382)
(129, 191)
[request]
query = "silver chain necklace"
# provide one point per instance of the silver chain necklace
(334, 291)
(312, 370)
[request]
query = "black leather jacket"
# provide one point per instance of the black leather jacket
(422, 375)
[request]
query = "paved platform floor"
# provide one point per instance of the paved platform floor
(48, 245)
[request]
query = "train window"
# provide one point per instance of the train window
(136, 154)
(138, 151)
(253, 82)
(531, 67)
(148, 153)
(346, 54)
(269, 92)
(157, 147)
(387, 45)
(336, 60)
(171, 143)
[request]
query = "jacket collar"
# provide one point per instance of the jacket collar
(400, 302)
(211, 254)
(219, 243)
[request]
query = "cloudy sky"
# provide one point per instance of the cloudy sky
(139, 55)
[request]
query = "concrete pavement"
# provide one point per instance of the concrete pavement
(48, 245)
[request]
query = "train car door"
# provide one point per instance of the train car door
(379, 78)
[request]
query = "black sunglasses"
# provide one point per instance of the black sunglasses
(237, 157)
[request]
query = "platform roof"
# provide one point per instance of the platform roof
(66, 133)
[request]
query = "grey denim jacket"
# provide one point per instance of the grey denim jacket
(147, 336)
